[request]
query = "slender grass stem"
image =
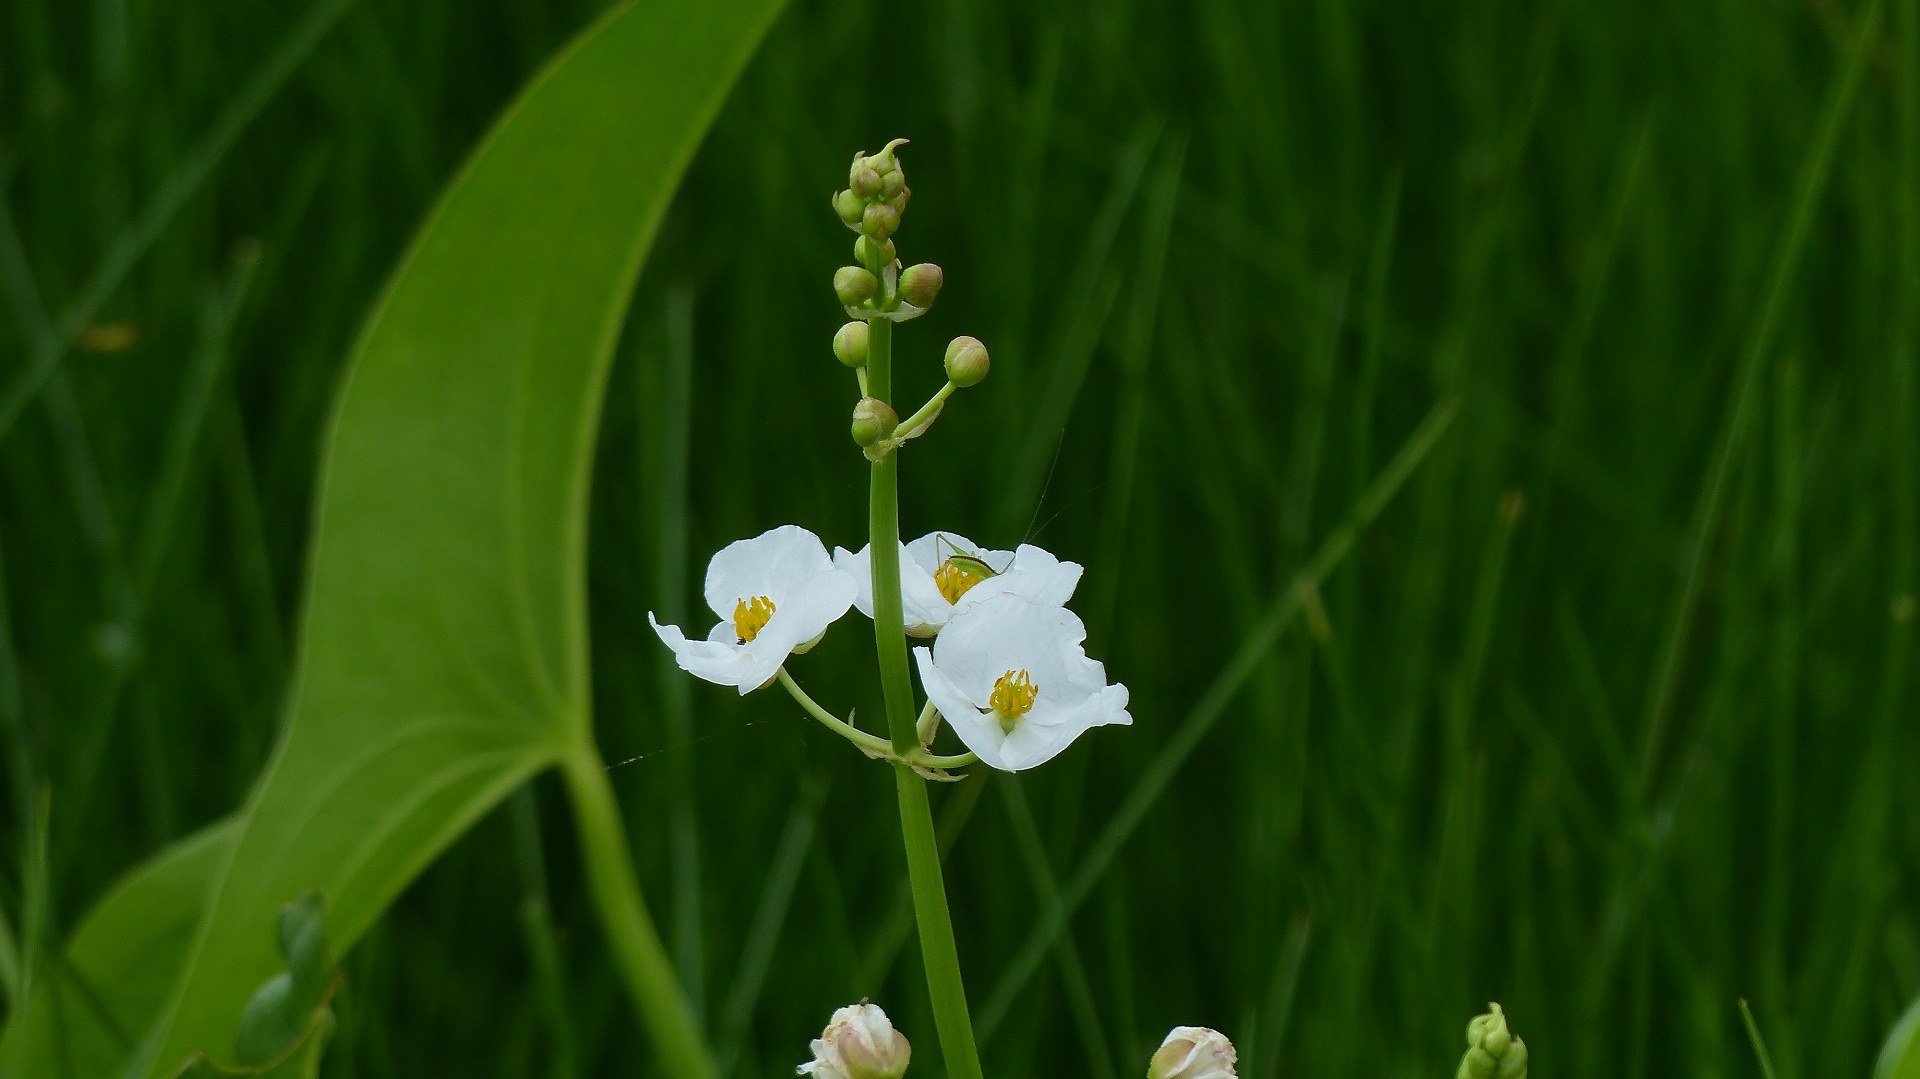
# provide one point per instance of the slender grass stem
(937, 950)
(636, 947)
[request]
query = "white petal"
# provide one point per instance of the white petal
(981, 733)
(770, 565)
(1007, 633)
(719, 661)
(1042, 578)
(858, 567)
(924, 610)
(797, 622)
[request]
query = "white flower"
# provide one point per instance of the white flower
(1193, 1053)
(860, 1043)
(775, 595)
(942, 574)
(1012, 679)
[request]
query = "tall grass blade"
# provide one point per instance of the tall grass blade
(50, 350)
(1206, 712)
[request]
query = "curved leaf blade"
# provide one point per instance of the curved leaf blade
(123, 960)
(1900, 1054)
(443, 655)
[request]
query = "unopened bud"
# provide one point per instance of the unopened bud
(869, 253)
(850, 344)
(1492, 1050)
(873, 420)
(849, 207)
(866, 183)
(880, 221)
(1193, 1053)
(860, 1043)
(893, 184)
(967, 363)
(920, 283)
(853, 284)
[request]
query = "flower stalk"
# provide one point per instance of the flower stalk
(938, 953)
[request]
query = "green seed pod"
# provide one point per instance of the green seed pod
(849, 207)
(920, 283)
(866, 183)
(873, 420)
(967, 361)
(866, 252)
(850, 344)
(880, 221)
(853, 284)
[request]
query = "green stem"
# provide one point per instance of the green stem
(911, 425)
(924, 727)
(651, 981)
(851, 733)
(937, 950)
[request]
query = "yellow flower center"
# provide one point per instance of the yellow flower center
(958, 574)
(1012, 697)
(750, 616)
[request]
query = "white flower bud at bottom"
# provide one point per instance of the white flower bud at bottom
(1193, 1053)
(859, 1043)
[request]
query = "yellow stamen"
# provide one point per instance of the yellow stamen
(1012, 697)
(750, 617)
(954, 578)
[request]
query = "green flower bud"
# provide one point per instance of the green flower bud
(867, 252)
(885, 161)
(853, 284)
(873, 420)
(880, 221)
(866, 183)
(1514, 1064)
(920, 283)
(850, 344)
(967, 361)
(1492, 1050)
(849, 207)
(893, 185)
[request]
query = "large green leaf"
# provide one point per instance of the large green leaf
(443, 656)
(1900, 1054)
(121, 965)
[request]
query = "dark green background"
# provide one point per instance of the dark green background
(1608, 718)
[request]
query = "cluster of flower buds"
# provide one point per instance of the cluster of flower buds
(872, 205)
(859, 1043)
(1492, 1050)
(1193, 1053)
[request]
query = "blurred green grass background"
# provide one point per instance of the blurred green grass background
(1609, 717)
